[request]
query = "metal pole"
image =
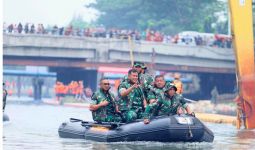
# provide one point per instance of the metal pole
(131, 50)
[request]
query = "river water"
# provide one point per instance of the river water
(35, 127)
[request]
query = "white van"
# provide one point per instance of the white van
(188, 38)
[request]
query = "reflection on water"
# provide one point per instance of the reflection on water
(35, 127)
(246, 134)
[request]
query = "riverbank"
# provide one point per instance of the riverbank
(67, 104)
(220, 113)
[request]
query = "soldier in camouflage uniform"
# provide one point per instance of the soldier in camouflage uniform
(172, 103)
(103, 104)
(144, 79)
(132, 101)
(158, 89)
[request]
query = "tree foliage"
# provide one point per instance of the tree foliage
(169, 16)
(78, 22)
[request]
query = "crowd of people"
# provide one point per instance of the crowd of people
(204, 39)
(140, 96)
(74, 89)
(148, 35)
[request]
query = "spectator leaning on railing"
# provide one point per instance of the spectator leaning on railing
(200, 39)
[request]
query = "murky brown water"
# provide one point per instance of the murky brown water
(35, 126)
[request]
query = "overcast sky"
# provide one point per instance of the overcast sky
(49, 12)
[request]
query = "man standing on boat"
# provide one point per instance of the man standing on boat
(132, 101)
(169, 104)
(103, 104)
(146, 80)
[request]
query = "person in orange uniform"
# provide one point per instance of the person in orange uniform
(80, 90)
(178, 83)
(57, 90)
(75, 89)
(62, 89)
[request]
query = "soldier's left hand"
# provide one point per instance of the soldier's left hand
(180, 111)
(146, 121)
(103, 103)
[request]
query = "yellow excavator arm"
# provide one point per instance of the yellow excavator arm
(242, 33)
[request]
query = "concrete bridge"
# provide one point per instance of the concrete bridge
(78, 58)
(83, 52)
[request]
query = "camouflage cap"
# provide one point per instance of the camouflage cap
(144, 66)
(141, 64)
(170, 86)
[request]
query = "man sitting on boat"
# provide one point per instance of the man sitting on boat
(138, 66)
(132, 101)
(169, 104)
(158, 90)
(103, 104)
(144, 79)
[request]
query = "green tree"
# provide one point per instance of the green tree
(170, 16)
(78, 23)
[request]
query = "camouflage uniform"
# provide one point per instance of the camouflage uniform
(156, 93)
(145, 80)
(142, 78)
(165, 105)
(147, 83)
(131, 106)
(125, 79)
(106, 113)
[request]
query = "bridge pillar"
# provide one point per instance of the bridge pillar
(18, 87)
(37, 86)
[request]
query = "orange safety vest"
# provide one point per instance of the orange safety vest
(178, 85)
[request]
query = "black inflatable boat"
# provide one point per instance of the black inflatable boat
(162, 129)
(5, 117)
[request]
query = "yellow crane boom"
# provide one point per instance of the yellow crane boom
(242, 33)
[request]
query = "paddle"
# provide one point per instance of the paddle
(189, 100)
(75, 120)
(97, 125)
(102, 124)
